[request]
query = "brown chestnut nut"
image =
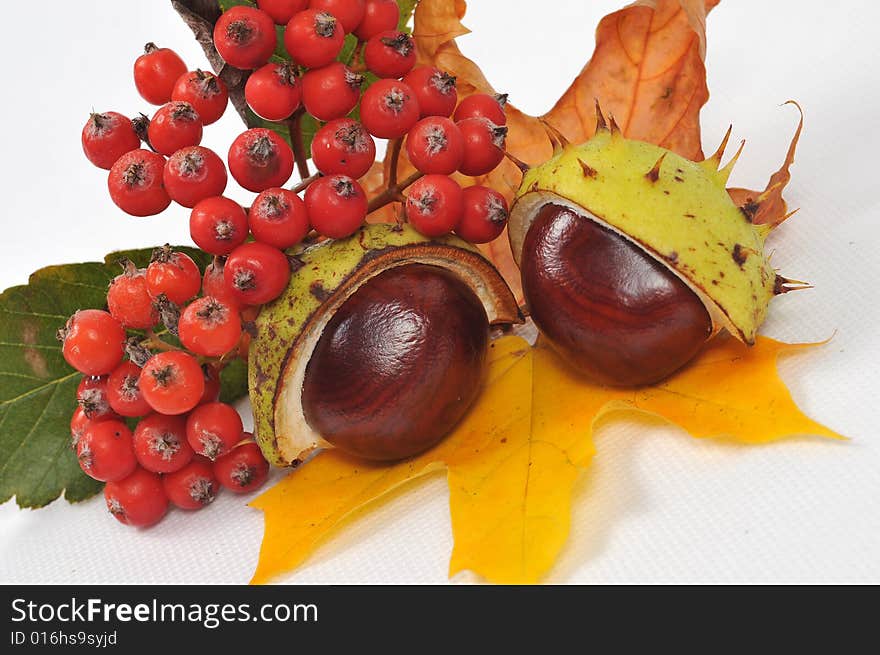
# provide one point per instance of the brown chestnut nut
(607, 306)
(399, 363)
(376, 347)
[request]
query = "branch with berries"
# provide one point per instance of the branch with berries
(316, 86)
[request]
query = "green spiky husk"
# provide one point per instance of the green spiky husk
(679, 212)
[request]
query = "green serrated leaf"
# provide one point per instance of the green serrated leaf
(38, 388)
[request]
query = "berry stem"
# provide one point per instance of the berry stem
(153, 342)
(392, 193)
(356, 63)
(395, 158)
(303, 184)
(294, 124)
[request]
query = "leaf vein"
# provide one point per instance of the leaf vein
(30, 345)
(30, 392)
(40, 314)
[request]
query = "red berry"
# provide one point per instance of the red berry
(434, 205)
(193, 486)
(389, 109)
(282, 11)
(313, 38)
(91, 396)
(213, 429)
(93, 342)
(435, 145)
(160, 443)
(337, 206)
(135, 183)
(260, 159)
(172, 274)
(278, 217)
(79, 422)
(435, 90)
(256, 273)
(390, 54)
(214, 284)
(155, 73)
(105, 451)
(343, 147)
(243, 469)
(123, 392)
(172, 382)
(273, 91)
(108, 136)
(245, 37)
(139, 500)
(485, 215)
(129, 301)
(174, 126)
(379, 15)
(218, 225)
(331, 92)
(482, 105)
(209, 327)
(193, 174)
(348, 12)
(483, 145)
(206, 92)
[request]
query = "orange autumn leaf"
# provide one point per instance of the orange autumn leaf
(768, 206)
(512, 462)
(647, 72)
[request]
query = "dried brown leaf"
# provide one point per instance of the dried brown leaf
(768, 206)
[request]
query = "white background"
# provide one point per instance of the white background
(656, 506)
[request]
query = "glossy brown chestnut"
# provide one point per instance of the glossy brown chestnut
(607, 306)
(398, 364)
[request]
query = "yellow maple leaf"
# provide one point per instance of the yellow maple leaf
(513, 461)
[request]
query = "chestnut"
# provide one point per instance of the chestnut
(376, 347)
(398, 364)
(611, 309)
(632, 256)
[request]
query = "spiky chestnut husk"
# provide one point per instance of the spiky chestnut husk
(673, 210)
(329, 273)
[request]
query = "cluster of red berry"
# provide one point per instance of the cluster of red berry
(186, 444)
(408, 102)
(184, 429)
